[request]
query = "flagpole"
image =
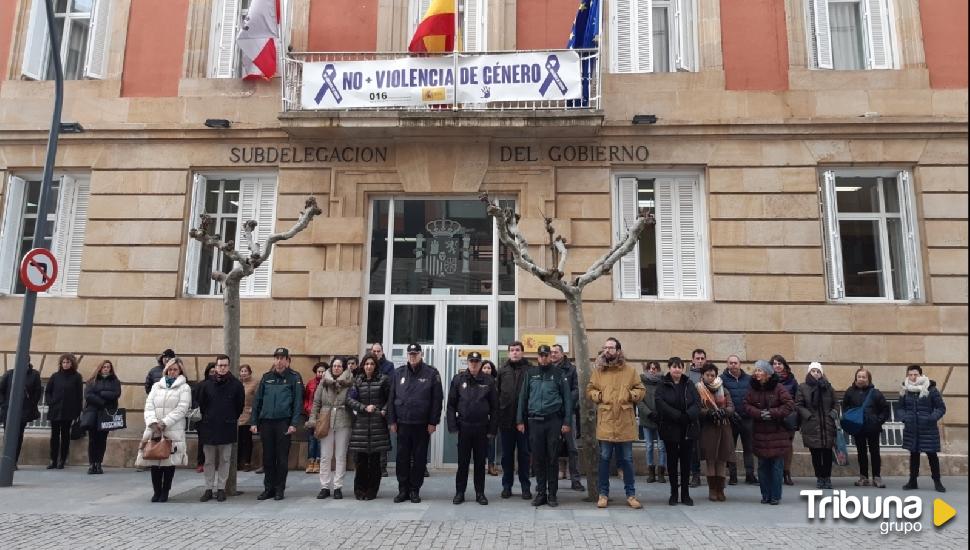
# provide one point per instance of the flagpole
(281, 5)
(454, 54)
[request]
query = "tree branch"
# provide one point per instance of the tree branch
(605, 263)
(214, 240)
(511, 237)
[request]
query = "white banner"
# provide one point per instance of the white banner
(419, 81)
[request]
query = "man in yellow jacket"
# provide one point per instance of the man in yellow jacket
(616, 389)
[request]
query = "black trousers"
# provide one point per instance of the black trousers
(471, 440)
(162, 477)
(866, 447)
(367, 474)
(412, 456)
(60, 440)
(679, 456)
(276, 453)
(544, 438)
(97, 444)
(822, 462)
(932, 458)
(245, 446)
(744, 432)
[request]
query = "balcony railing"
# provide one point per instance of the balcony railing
(547, 80)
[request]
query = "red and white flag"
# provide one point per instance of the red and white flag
(258, 39)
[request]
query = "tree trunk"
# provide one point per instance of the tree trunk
(230, 341)
(588, 456)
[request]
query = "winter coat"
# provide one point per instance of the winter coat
(770, 438)
(33, 390)
(508, 383)
(416, 395)
(615, 388)
(369, 434)
(332, 394)
(279, 397)
(877, 412)
(386, 367)
(221, 402)
(920, 415)
(64, 396)
(472, 403)
(249, 388)
(678, 408)
(572, 378)
(308, 393)
(167, 405)
(154, 375)
(816, 406)
(100, 394)
(545, 393)
(738, 388)
(717, 437)
(647, 407)
(791, 385)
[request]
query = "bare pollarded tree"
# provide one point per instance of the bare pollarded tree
(243, 266)
(507, 221)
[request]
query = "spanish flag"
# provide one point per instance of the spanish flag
(436, 32)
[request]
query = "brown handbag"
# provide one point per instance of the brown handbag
(157, 449)
(322, 428)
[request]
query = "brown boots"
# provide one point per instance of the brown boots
(661, 474)
(715, 489)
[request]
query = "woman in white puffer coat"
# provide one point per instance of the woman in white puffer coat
(165, 410)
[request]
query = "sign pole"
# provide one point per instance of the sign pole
(11, 432)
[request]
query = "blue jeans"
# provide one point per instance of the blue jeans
(313, 446)
(490, 452)
(515, 444)
(652, 437)
(770, 472)
(624, 461)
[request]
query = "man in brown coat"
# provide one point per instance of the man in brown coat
(615, 388)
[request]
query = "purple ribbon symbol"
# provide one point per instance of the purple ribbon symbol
(329, 73)
(552, 75)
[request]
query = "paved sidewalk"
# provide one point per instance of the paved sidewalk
(69, 509)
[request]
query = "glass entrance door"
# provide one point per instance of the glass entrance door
(447, 331)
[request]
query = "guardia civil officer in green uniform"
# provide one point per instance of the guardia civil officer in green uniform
(543, 404)
(277, 408)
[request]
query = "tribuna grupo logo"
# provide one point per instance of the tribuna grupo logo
(896, 514)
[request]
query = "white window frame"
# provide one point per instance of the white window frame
(37, 46)
(702, 274)
(682, 25)
(259, 205)
(224, 57)
(476, 19)
(832, 243)
(878, 28)
(70, 216)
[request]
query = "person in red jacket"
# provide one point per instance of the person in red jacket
(768, 403)
(313, 444)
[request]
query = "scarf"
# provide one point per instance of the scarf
(819, 385)
(169, 381)
(711, 393)
(653, 378)
(922, 386)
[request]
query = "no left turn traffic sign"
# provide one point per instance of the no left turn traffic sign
(38, 270)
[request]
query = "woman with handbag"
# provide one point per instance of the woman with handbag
(717, 439)
(815, 403)
(245, 447)
(330, 420)
(313, 444)
(875, 413)
(64, 396)
(787, 380)
(369, 437)
(100, 395)
(163, 441)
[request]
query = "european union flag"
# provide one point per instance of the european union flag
(585, 35)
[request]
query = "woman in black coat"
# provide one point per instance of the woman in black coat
(678, 408)
(876, 414)
(921, 407)
(64, 396)
(369, 438)
(101, 394)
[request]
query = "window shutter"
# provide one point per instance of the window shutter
(60, 240)
(418, 8)
(833, 241)
(257, 201)
(644, 36)
(473, 27)
(71, 274)
(666, 235)
(689, 238)
(36, 48)
(685, 20)
(913, 253)
(629, 272)
(13, 209)
(96, 64)
(621, 36)
(879, 51)
(222, 42)
(194, 247)
(821, 33)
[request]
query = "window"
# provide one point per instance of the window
(871, 246)
(82, 28)
(471, 13)
(65, 230)
(653, 36)
(230, 201)
(227, 18)
(850, 34)
(670, 259)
